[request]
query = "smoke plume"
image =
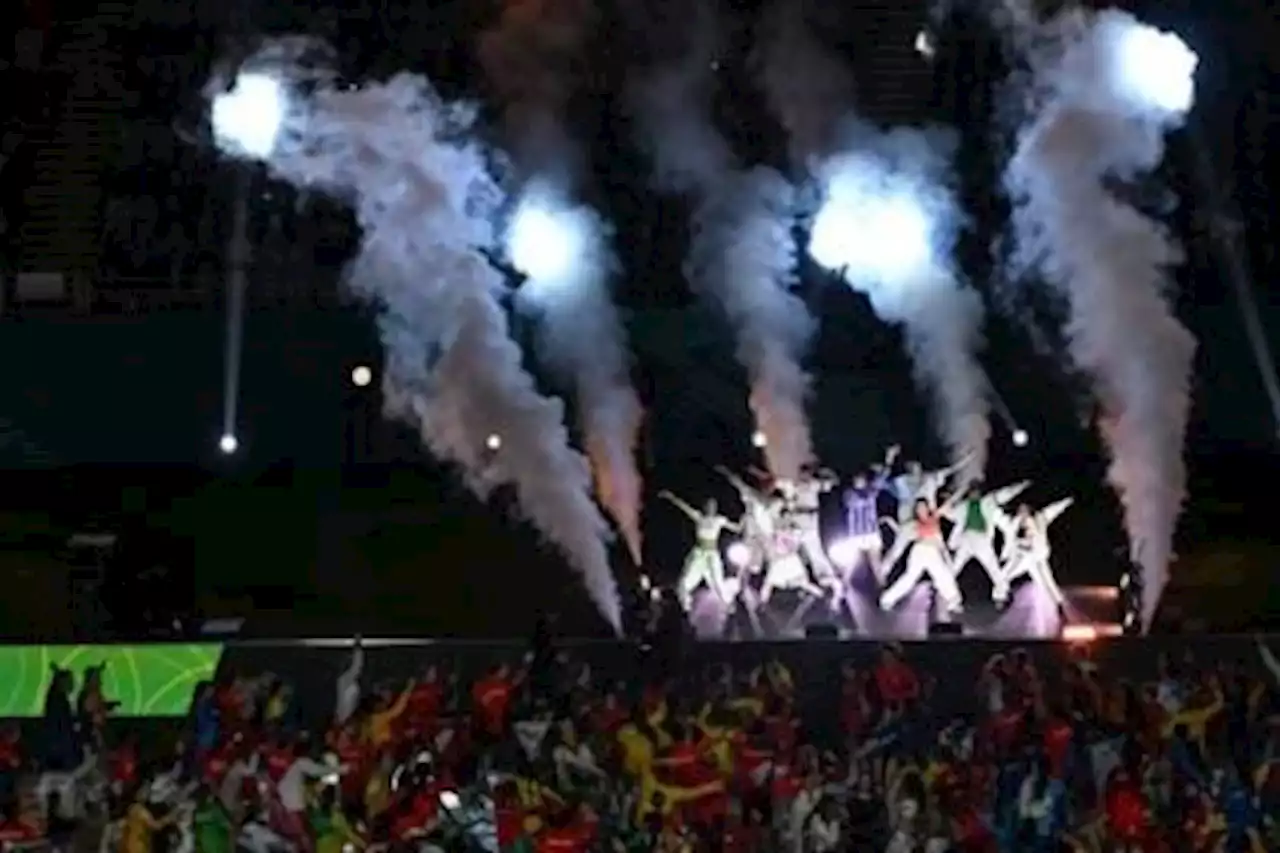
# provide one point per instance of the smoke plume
(425, 201)
(887, 224)
(531, 57)
(861, 170)
(742, 256)
(1110, 261)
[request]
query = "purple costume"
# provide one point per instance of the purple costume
(861, 512)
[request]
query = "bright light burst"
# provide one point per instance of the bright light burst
(546, 240)
(1151, 67)
(871, 224)
(248, 119)
(738, 554)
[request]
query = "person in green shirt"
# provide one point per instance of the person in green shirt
(975, 520)
(329, 825)
(211, 825)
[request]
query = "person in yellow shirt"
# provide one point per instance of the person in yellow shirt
(377, 790)
(140, 826)
(380, 728)
(1195, 719)
(637, 750)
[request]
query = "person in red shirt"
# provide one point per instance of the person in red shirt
(491, 701)
(123, 766)
(610, 714)
(1057, 738)
(895, 680)
(1126, 808)
(278, 756)
(422, 717)
(566, 832)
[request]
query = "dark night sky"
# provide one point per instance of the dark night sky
(142, 396)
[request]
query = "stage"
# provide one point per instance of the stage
(1030, 615)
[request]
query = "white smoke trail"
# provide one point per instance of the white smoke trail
(1100, 123)
(742, 254)
(811, 92)
(529, 57)
(424, 199)
(887, 224)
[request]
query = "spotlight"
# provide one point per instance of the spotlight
(247, 120)
(450, 800)
(1124, 581)
(1020, 438)
(758, 439)
(361, 376)
(493, 442)
(1079, 633)
(924, 44)
(228, 444)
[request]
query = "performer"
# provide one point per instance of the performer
(784, 565)
(759, 518)
(916, 484)
(928, 556)
(975, 520)
(862, 517)
(1027, 549)
(805, 509)
(703, 566)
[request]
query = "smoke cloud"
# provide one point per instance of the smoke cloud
(425, 201)
(887, 223)
(530, 57)
(1100, 123)
(742, 256)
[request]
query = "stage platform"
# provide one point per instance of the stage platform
(1030, 615)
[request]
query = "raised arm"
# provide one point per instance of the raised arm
(692, 513)
(739, 484)
(951, 470)
(1050, 513)
(1008, 493)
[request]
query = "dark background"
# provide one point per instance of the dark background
(331, 519)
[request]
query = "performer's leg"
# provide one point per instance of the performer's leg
(896, 552)
(715, 575)
(1043, 575)
(944, 582)
(890, 598)
(985, 553)
(691, 577)
(964, 553)
(874, 560)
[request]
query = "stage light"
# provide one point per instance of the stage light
(1153, 69)
(248, 119)
(645, 583)
(228, 444)
(546, 240)
(1079, 633)
(1020, 438)
(738, 554)
(871, 226)
(450, 800)
(361, 376)
(759, 440)
(842, 552)
(1124, 581)
(493, 442)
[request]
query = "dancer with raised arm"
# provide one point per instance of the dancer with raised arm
(926, 556)
(759, 518)
(806, 510)
(976, 520)
(915, 483)
(1027, 550)
(703, 566)
(865, 540)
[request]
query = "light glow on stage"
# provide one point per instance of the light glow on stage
(1020, 438)
(361, 376)
(228, 444)
(547, 241)
(738, 554)
(873, 226)
(493, 443)
(247, 120)
(843, 552)
(759, 440)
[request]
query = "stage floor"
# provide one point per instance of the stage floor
(789, 615)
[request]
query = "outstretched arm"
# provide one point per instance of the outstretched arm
(950, 471)
(1008, 493)
(1050, 513)
(692, 513)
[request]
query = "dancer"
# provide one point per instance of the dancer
(703, 566)
(806, 510)
(927, 556)
(918, 484)
(862, 517)
(976, 520)
(759, 518)
(1027, 548)
(784, 565)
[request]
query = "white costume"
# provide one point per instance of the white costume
(805, 510)
(1027, 549)
(784, 565)
(759, 521)
(703, 566)
(973, 535)
(927, 556)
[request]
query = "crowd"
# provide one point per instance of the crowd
(544, 754)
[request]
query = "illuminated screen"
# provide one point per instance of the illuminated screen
(148, 681)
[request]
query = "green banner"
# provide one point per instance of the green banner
(148, 681)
